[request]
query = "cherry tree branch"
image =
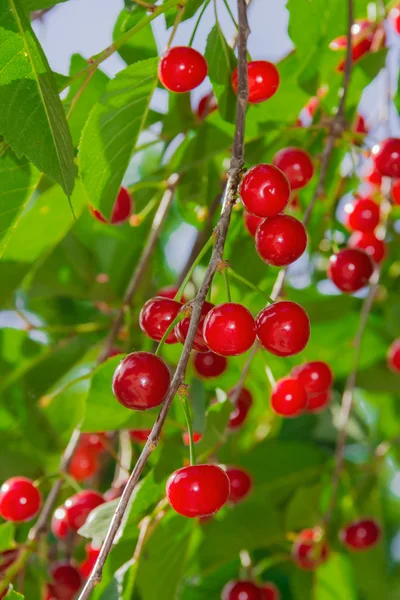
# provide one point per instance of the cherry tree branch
(221, 231)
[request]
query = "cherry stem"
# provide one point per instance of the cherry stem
(189, 424)
(140, 216)
(249, 284)
(228, 8)
(177, 319)
(227, 286)
(198, 22)
(178, 19)
(270, 376)
(271, 561)
(189, 274)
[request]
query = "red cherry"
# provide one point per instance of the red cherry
(141, 381)
(242, 407)
(296, 165)
(59, 523)
(369, 243)
(229, 329)
(80, 505)
(170, 292)
(19, 499)
(350, 269)
(373, 177)
(251, 222)
(181, 330)
(280, 240)
(115, 492)
(318, 402)
(269, 591)
(198, 491)
(360, 535)
(86, 567)
(157, 315)
(394, 16)
(139, 435)
(263, 80)
(241, 484)
(114, 352)
(360, 125)
(84, 463)
(310, 549)
(196, 437)
(241, 590)
(208, 364)
(206, 106)
(66, 581)
(121, 211)
(182, 69)
(386, 156)
(288, 398)
(264, 191)
(362, 215)
(396, 191)
(315, 376)
(95, 441)
(393, 358)
(283, 328)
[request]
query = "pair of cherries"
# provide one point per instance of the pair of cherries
(86, 459)
(307, 389)
(365, 35)
(362, 217)
(248, 590)
(182, 69)
(142, 380)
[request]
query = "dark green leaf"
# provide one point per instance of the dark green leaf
(32, 118)
(221, 62)
(142, 45)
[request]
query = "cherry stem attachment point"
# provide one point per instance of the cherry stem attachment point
(177, 319)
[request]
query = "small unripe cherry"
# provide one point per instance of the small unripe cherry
(182, 328)
(396, 191)
(350, 269)
(386, 156)
(251, 222)
(242, 407)
(315, 376)
(19, 500)
(369, 243)
(319, 401)
(181, 69)
(80, 505)
(362, 214)
(209, 364)
(288, 398)
(263, 80)
(157, 315)
(141, 381)
(198, 491)
(196, 437)
(283, 328)
(269, 591)
(66, 581)
(264, 190)
(393, 357)
(139, 435)
(241, 483)
(121, 211)
(280, 240)
(310, 549)
(361, 534)
(84, 463)
(296, 164)
(229, 329)
(241, 590)
(59, 523)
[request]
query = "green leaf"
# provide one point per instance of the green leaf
(32, 119)
(221, 62)
(140, 46)
(32, 5)
(180, 117)
(304, 508)
(163, 559)
(217, 417)
(12, 595)
(7, 532)
(78, 111)
(335, 580)
(19, 179)
(51, 216)
(111, 132)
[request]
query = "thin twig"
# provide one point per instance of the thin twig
(221, 232)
